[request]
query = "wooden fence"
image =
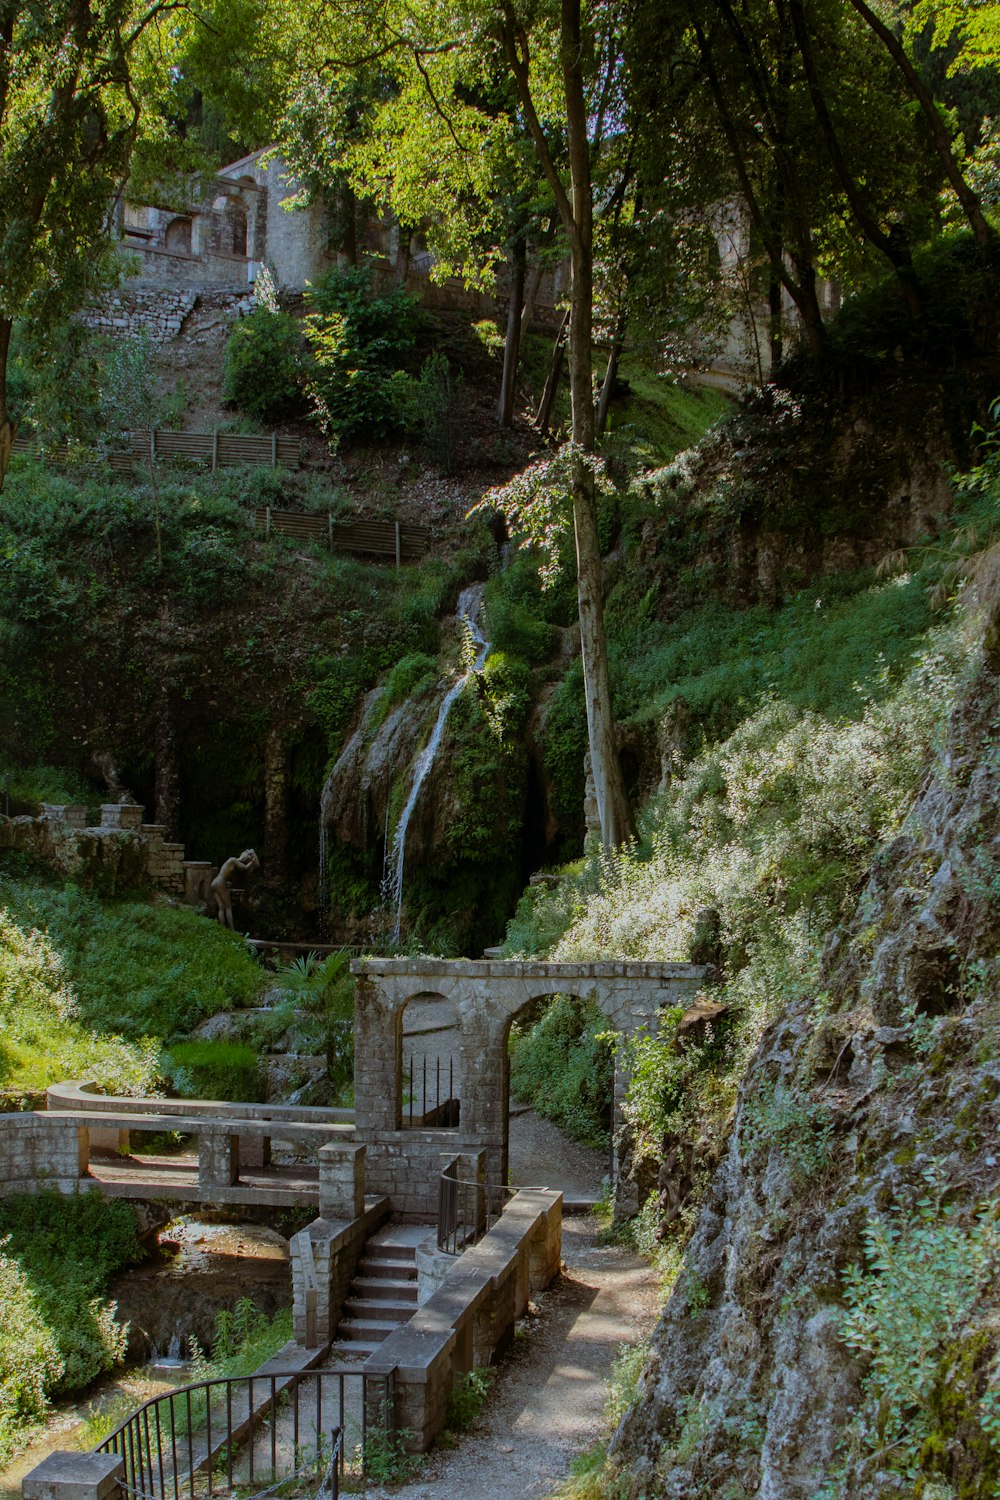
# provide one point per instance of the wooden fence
(217, 450)
(393, 539)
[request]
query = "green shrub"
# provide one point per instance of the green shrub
(930, 1397)
(562, 1065)
(263, 366)
(361, 343)
(466, 1400)
(202, 1069)
(58, 1256)
(42, 1038)
(245, 1339)
(323, 994)
(30, 1364)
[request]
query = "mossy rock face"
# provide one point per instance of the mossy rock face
(958, 1450)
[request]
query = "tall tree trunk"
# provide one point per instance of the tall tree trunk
(576, 212)
(7, 428)
(512, 343)
(609, 786)
(544, 412)
(895, 246)
(942, 142)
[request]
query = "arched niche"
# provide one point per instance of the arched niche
(178, 236)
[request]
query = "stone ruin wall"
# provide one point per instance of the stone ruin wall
(116, 853)
(159, 313)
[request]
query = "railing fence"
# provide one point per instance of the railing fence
(203, 1439)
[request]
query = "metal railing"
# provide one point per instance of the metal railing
(466, 1209)
(203, 1439)
(430, 1084)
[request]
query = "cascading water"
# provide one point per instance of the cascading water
(469, 604)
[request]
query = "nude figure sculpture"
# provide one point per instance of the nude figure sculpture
(247, 862)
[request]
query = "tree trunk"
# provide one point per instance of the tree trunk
(609, 786)
(512, 343)
(576, 211)
(894, 244)
(544, 412)
(7, 428)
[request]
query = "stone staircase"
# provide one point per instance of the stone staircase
(382, 1296)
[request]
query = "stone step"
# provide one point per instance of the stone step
(366, 1329)
(383, 1287)
(354, 1352)
(388, 1250)
(378, 1311)
(399, 1270)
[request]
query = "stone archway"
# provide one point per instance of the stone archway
(487, 995)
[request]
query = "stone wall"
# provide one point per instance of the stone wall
(471, 1318)
(113, 856)
(323, 1259)
(158, 313)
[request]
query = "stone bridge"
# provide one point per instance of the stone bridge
(486, 996)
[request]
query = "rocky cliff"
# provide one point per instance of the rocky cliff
(835, 1327)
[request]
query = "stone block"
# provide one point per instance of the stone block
(75, 1476)
(341, 1180)
(218, 1161)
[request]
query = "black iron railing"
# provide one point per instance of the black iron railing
(466, 1209)
(430, 1085)
(247, 1430)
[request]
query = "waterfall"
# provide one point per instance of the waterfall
(469, 603)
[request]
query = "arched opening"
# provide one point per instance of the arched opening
(430, 1064)
(178, 236)
(559, 1094)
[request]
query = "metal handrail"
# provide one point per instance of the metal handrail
(458, 1229)
(170, 1451)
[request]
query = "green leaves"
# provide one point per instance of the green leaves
(360, 342)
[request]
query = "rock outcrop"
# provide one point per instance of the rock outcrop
(875, 1101)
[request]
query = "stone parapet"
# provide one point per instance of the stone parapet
(472, 1316)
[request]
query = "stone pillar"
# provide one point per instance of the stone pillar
(276, 807)
(378, 1060)
(121, 815)
(75, 1476)
(485, 1071)
(218, 1161)
(167, 796)
(341, 1181)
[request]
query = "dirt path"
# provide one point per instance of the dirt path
(546, 1404)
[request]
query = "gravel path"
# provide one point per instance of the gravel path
(547, 1401)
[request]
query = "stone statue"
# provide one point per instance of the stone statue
(247, 862)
